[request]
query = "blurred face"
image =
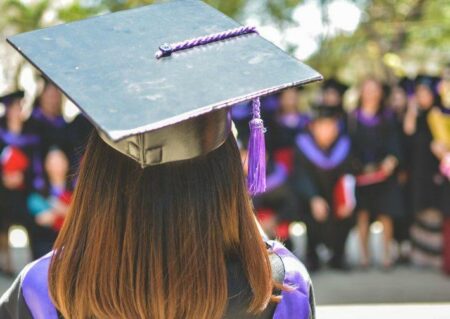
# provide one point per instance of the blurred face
(51, 100)
(289, 99)
(325, 131)
(398, 100)
(331, 97)
(424, 97)
(14, 111)
(56, 165)
(13, 180)
(371, 94)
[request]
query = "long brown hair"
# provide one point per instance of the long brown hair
(153, 242)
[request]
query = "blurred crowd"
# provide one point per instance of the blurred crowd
(336, 168)
(39, 153)
(332, 168)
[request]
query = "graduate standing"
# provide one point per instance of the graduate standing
(323, 179)
(399, 96)
(426, 180)
(428, 126)
(161, 224)
(376, 147)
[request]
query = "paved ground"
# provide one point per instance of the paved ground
(404, 311)
(401, 285)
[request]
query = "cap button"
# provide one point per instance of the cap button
(166, 49)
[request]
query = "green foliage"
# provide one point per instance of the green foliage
(393, 35)
(22, 17)
(76, 12)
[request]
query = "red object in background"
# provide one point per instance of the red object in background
(344, 196)
(65, 197)
(264, 215)
(57, 225)
(285, 156)
(371, 178)
(13, 160)
(446, 246)
(282, 231)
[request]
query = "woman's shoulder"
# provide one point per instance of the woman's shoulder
(298, 299)
(28, 297)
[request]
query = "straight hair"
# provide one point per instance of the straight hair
(153, 243)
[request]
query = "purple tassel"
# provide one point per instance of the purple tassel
(256, 179)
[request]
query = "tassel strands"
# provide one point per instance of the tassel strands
(256, 179)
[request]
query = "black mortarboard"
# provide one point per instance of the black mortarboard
(11, 97)
(154, 89)
(319, 111)
(335, 85)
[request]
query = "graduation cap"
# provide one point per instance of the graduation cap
(319, 111)
(158, 81)
(8, 99)
(334, 84)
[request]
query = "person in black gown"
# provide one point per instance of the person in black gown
(426, 180)
(323, 160)
(399, 96)
(376, 146)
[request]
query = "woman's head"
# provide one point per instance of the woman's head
(371, 95)
(56, 166)
(425, 96)
(398, 100)
(152, 243)
(289, 100)
(50, 100)
(325, 131)
(14, 111)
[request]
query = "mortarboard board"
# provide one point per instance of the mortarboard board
(11, 97)
(155, 90)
